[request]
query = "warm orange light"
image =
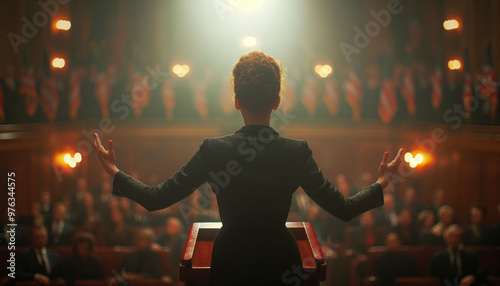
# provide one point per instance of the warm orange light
(408, 157)
(323, 70)
(58, 63)
(180, 70)
(454, 64)
(67, 157)
(451, 24)
(78, 157)
(63, 25)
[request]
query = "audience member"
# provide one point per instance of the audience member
(140, 216)
(437, 201)
(477, 233)
(77, 197)
(455, 266)
(83, 265)
(38, 264)
(46, 207)
(426, 221)
(410, 202)
(446, 217)
(35, 216)
(496, 229)
(118, 234)
(386, 215)
(173, 238)
(144, 262)
(102, 196)
(393, 263)
(60, 231)
(406, 229)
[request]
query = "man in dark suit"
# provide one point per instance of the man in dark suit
(60, 231)
(455, 266)
(38, 264)
(478, 233)
(393, 263)
(143, 263)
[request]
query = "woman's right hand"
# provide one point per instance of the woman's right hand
(386, 171)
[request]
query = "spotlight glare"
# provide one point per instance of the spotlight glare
(413, 163)
(72, 162)
(64, 25)
(419, 158)
(451, 24)
(408, 157)
(67, 158)
(249, 41)
(454, 64)
(58, 63)
(78, 157)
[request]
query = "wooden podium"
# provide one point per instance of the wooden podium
(197, 254)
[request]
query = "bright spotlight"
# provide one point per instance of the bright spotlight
(451, 24)
(413, 163)
(249, 41)
(58, 63)
(72, 162)
(408, 157)
(419, 158)
(323, 70)
(180, 70)
(454, 64)
(67, 157)
(247, 5)
(78, 157)
(63, 25)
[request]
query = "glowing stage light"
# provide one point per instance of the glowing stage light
(58, 63)
(180, 70)
(63, 25)
(408, 157)
(249, 41)
(247, 5)
(454, 64)
(413, 163)
(67, 157)
(419, 158)
(72, 162)
(78, 157)
(451, 24)
(323, 70)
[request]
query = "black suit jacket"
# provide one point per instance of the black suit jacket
(28, 265)
(254, 173)
(64, 238)
(441, 267)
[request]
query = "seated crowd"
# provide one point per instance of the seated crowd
(88, 220)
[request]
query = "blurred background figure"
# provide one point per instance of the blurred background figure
(38, 264)
(394, 263)
(143, 262)
(454, 265)
(82, 265)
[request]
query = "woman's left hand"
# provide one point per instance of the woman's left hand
(107, 157)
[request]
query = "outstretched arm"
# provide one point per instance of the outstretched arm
(327, 196)
(183, 183)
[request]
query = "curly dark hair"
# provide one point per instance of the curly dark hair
(258, 81)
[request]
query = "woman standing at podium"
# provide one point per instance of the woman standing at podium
(254, 173)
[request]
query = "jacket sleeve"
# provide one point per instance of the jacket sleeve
(327, 196)
(183, 183)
